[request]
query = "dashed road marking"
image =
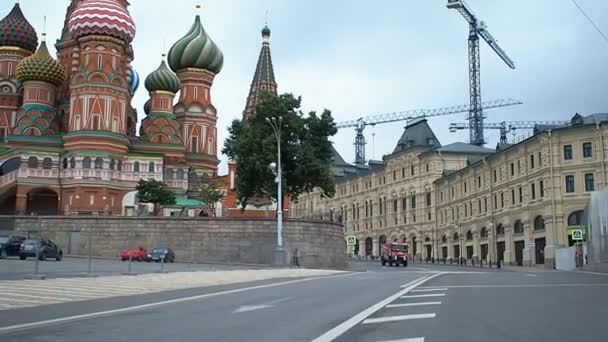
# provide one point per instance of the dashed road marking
(424, 295)
(412, 304)
(415, 339)
(343, 327)
(397, 318)
(520, 285)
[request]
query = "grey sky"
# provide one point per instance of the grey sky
(360, 57)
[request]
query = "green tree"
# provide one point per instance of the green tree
(305, 149)
(153, 191)
(209, 191)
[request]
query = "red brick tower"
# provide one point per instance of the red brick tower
(17, 41)
(99, 88)
(197, 59)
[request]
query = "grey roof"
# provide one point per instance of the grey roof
(337, 159)
(448, 172)
(460, 147)
(593, 118)
(417, 134)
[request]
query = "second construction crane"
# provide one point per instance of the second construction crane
(361, 123)
(510, 126)
(476, 29)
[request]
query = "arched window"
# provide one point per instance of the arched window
(427, 239)
(483, 233)
(180, 176)
(518, 227)
(119, 167)
(577, 218)
(151, 167)
(47, 163)
(170, 174)
(455, 236)
(136, 167)
(86, 163)
(500, 229)
(469, 235)
(539, 223)
(72, 163)
(10, 165)
(65, 163)
(32, 162)
(98, 163)
(112, 164)
(444, 239)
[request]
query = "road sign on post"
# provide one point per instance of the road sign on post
(351, 240)
(577, 234)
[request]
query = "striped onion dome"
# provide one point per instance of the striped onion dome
(162, 79)
(40, 67)
(15, 30)
(104, 17)
(133, 81)
(196, 50)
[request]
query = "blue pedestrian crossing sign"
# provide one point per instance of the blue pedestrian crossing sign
(577, 234)
(351, 240)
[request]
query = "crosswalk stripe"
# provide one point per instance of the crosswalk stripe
(66, 292)
(412, 304)
(35, 296)
(430, 290)
(397, 318)
(415, 339)
(424, 295)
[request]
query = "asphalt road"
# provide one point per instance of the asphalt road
(13, 268)
(462, 305)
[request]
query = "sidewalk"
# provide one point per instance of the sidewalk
(596, 268)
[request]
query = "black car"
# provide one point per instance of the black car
(48, 249)
(158, 254)
(10, 245)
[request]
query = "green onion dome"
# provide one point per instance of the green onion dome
(162, 79)
(41, 67)
(148, 106)
(196, 50)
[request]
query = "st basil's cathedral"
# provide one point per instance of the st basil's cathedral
(69, 141)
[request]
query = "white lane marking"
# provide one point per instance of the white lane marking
(248, 308)
(415, 339)
(530, 275)
(429, 290)
(11, 328)
(589, 272)
(412, 304)
(424, 295)
(397, 318)
(523, 285)
(419, 268)
(356, 319)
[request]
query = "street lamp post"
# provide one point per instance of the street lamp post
(459, 228)
(279, 253)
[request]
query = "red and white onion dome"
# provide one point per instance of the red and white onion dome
(103, 17)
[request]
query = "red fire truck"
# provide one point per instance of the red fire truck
(395, 253)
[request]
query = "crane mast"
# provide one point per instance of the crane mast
(476, 29)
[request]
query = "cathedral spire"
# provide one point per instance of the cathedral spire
(263, 79)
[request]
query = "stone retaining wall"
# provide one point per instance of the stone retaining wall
(251, 240)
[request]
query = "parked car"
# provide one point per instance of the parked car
(10, 245)
(139, 254)
(160, 254)
(47, 249)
